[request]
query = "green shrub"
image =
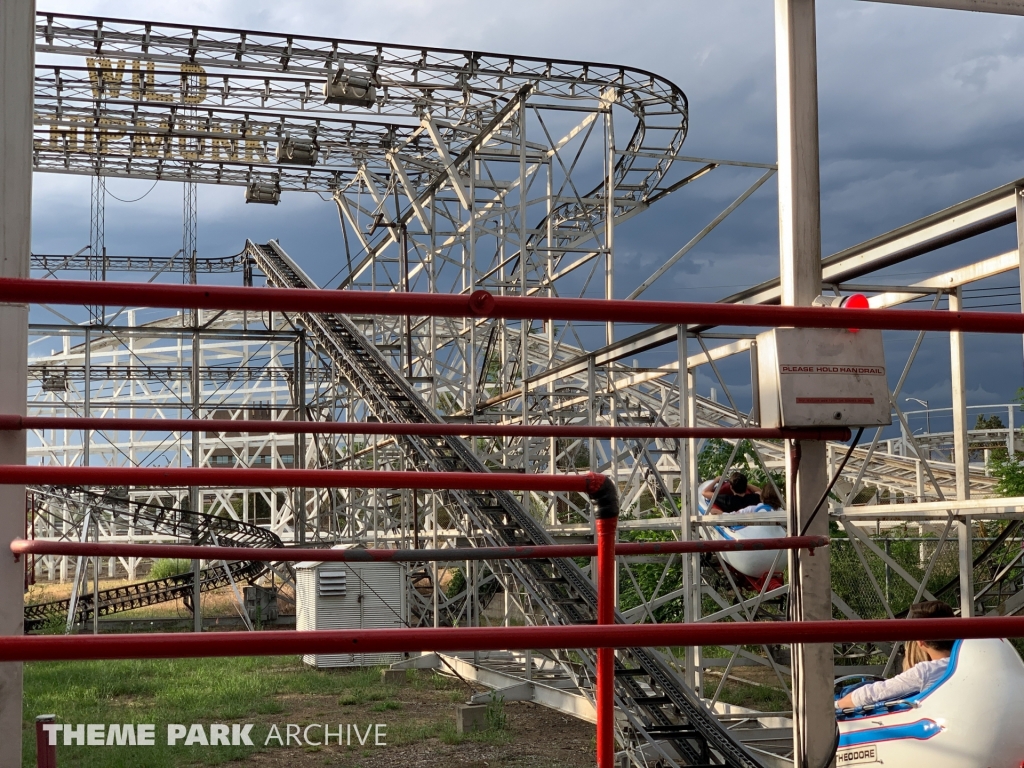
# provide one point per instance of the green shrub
(497, 720)
(167, 567)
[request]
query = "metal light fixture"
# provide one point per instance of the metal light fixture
(297, 151)
(927, 413)
(356, 90)
(261, 192)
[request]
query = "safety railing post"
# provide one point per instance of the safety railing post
(46, 751)
(606, 514)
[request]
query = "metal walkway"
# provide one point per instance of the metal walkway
(661, 710)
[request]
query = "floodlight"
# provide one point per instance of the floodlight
(353, 89)
(297, 151)
(261, 192)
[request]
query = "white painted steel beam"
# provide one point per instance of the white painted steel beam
(1018, 196)
(976, 507)
(700, 236)
(1012, 7)
(515, 692)
(982, 213)
(961, 457)
(17, 51)
(996, 265)
(796, 87)
(572, 703)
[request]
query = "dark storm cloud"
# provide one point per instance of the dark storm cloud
(919, 109)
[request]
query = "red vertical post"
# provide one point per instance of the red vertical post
(46, 753)
(606, 520)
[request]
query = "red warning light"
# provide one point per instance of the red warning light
(855, 301)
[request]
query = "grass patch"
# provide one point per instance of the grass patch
(262, 691)
(167, 567)
(763, 698)
(235, 690)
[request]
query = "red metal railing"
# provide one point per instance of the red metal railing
(14, 422)
(600, 489)
(292, 554)
(483, 304)
(605, 636)
(606, 550)
(604, 699)
(228, 477)
(174, 645)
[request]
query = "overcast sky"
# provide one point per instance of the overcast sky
(919, 109)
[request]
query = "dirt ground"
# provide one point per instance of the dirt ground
(420, 719)
(536, 737)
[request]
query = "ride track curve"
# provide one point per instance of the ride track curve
(154, 101)
(196, 527)
(244, 88)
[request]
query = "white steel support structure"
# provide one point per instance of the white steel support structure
(1019, 200)
(961, 456)
(17, 52)
(800, 272)
(1011, 7)
(509, 176)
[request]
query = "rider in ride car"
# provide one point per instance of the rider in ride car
(925, 663)
(734, 494)
(770, 498)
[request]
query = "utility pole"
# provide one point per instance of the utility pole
(17, 61)
(814, 725)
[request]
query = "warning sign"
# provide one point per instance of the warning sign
(847, 370)
(837, 400)
(819, 377)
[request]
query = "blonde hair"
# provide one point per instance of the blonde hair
(913, 654)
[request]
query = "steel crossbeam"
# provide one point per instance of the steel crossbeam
(476, 171)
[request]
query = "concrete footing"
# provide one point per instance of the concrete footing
(392, 676)
(470, 717)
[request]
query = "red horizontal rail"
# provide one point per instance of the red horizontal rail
(13, 422)
(188, 552)
(180, 477)
(173, 645)
(483, 304)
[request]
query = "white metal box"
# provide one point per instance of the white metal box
(820, 377)
(354, 595)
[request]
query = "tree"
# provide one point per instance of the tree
(989, 422)
(713, 458)
(1009, 469)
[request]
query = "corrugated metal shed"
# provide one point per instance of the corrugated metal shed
(350, 596)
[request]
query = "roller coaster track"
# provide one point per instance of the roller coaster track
(100, 264)
(998, 572)
(661, 709)
(209, 105)
(155, 520)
